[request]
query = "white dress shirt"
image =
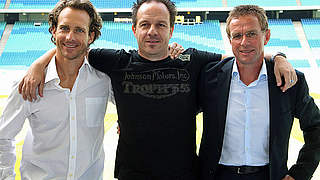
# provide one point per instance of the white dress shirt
(246, 137)
(65, 141)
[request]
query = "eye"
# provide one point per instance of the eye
(143, 24)
(64, 28)
(79, 30)
(162, 25)
(251, 34)
(236, 36)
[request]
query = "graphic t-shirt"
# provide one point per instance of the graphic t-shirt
(157, 106)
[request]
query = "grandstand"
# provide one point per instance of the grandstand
(32, 4)
(293, 32)
(112, 4)
(232, 3)
(2, 25)
(26, 43)
(284, 38)
(312, 30)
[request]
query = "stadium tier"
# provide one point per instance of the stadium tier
(232, 3)
(284, 38)
(206, 36)
(49, 4)
(2, 26)
(32, 4)
(2, 3)
(26, 43)
(112, 3)
(311, 29)
(310, 2)
(197, 3)
(116, 36)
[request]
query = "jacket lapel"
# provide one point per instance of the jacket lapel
(224, 79)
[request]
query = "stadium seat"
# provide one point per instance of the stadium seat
(284, 38)
(2, 3)
(232, 3)
(26, 43)
(32, 4)
(310, 3)
(2, 26)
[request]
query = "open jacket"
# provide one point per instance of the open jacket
(284, 107)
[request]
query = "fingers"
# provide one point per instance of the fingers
(172, 47)
(175, 50)
(40, 90)
(287, 81)
(21, 85)
(278, 77)
(290, 79)
(27, 91)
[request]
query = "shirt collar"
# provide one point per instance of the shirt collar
(52, 74)
(262, 75)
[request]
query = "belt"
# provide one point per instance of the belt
(243, 169)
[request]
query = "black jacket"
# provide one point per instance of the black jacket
(284, 107)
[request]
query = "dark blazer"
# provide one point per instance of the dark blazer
(295, 102)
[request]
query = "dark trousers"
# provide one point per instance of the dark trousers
(223, 174)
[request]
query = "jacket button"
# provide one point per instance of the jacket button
(211, 171)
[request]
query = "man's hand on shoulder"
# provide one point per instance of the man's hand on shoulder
(29, 83)
(282, 68)
(175, 50)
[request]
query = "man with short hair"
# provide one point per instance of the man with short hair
(247, 119)
(155, 96)
(65, 140)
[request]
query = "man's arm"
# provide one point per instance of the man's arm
(11, 122)
(35, 77)
(309, 118)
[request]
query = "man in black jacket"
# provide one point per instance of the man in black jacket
(247, 119)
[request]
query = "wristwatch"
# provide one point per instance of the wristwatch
(278, 54)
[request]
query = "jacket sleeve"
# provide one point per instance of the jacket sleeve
(309, 117)
(11, 122)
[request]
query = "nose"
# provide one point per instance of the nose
(69, 35)
(152, 31)
(244, 40)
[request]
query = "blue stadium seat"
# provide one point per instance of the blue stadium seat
(112, 3)
(2, 3)
(32, 4)
(312, 30)
(26, 43)
(206, 36)
(197, 3)
(284, 38)
(310, 3)
(2, 26)
(232, 3)
(283, 33)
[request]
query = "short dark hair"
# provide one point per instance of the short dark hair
(86, 5)
(169, 4)
(245, 10)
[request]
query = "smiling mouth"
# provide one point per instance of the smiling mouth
(68, 45)
(246, 51)
(153, 41)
